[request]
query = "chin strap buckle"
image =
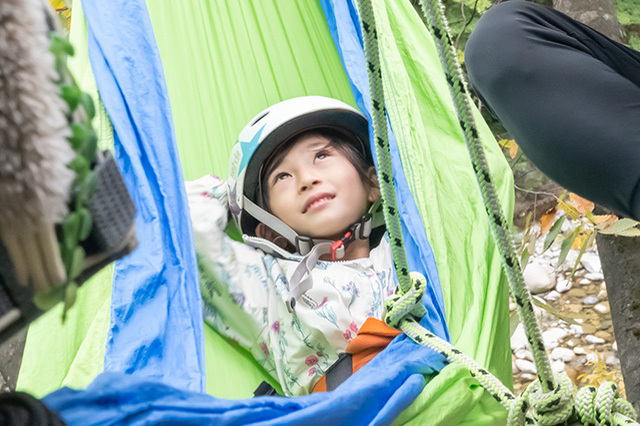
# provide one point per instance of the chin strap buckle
(338, 247)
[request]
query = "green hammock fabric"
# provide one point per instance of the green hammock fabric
(224, 62)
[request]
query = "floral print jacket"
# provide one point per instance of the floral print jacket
(244, 292)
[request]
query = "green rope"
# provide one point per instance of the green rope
(385, 172)
(551, 397)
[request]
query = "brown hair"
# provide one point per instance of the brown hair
(340, 141)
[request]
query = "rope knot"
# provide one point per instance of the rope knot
(602, 405)
(403, 305)
(551, 408)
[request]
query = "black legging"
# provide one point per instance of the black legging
(568, 95)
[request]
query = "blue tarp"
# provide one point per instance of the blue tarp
(156, 330)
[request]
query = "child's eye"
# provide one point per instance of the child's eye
(280, 176)
(321, 155)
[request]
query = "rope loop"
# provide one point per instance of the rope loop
(548, 408)
(405, 305)
(603, 406)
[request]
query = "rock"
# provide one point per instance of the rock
(525, 366)
(578, 292)
(582, 360)
(524, 354)
(593, 339)
(570, 261)
(518, 339)
(603, 308)
(576, 329)
(552, 296)
(528, 377)
(563, 285)
(512, 307)
(557, 366)
(585, 281)
(574, 308)
(592, 358)
(594, 276)
(539, 277)
(552, 336)
(579, 350)
(590, 300)
(612, 360)
(571, 343)
(562, 354)
(603, 335)
(615, 346)
(591, 262)
(602, 295)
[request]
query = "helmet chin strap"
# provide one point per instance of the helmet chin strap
(312, 250)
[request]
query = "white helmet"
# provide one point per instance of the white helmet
(263, 135)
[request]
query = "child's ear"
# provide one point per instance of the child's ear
(374, 187)
(263, 231)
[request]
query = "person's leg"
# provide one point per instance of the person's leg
(568, 95)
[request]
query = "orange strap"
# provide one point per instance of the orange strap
(372, 338)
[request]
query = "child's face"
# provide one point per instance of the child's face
(316, 190)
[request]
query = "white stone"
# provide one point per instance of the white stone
(594, 276)
(591, 262)
(524, 354)
(562, 354)
(612, 360)
(571, 343)
(552, 336)
(552, 296)
(602, 308)
(585, 281)
(563, 285)
(512, 307)
(557, 366)
(570, 261)
(593, 339)
(539, 277)
(528, 377)
(590, 300)
(602, 294)
(579, 350)
(518, 338)
(576, 329)
(525, 366)
(615, 346)
(592, 358)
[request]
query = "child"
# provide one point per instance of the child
(302, 189)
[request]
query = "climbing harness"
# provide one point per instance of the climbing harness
(551, 397)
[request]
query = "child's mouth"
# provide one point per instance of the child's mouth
(316, 201)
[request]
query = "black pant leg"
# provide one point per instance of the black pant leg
(569, 96)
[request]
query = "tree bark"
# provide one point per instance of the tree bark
(620, 256)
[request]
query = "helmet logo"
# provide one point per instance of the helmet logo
(248, 148)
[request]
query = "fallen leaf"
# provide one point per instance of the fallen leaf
(581, 204)
(546, 221)
(513, 149)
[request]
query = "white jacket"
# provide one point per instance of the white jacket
(245, 291)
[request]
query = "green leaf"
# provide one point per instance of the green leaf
(77, 263)
(70, 295)
(524, 259)
(566, 245)
(631, 232)
(70, 230)
(87, 104)
(60, 45)
(553, 311)
(617, 227)
(513, 322)
(553, 232)
(86, 223)
(79, 165)
(77, 137)
(72, 96)
(587, 243)
(87, 187)
(90, 145)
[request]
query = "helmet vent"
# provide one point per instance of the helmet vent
(258, 118)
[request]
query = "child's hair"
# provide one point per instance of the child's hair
(337, 140)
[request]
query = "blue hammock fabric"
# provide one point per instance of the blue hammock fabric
(156, 331)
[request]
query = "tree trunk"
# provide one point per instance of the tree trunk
(620, 256)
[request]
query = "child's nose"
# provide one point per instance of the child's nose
(308, 180)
